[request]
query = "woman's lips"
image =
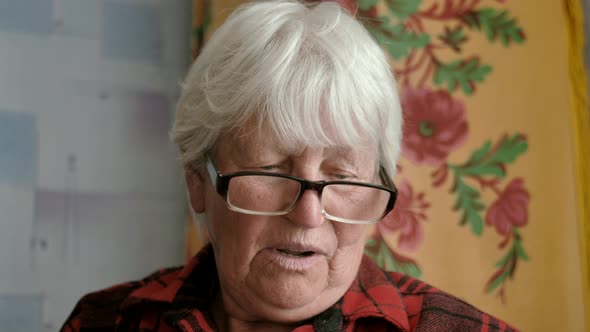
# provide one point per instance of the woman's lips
(298, 249)
(292, 259)
(296, 253)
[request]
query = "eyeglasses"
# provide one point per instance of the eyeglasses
(273, 194)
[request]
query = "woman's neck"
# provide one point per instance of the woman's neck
(227, 323)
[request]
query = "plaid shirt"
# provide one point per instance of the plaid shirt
(179, 298)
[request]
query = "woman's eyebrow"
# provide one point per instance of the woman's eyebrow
(338, 150)
(346, 160)
(345, 153)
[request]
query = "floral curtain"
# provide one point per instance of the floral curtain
(492, 204)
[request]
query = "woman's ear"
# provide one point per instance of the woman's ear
(195, 187)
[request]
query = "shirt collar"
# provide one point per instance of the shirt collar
(373, 293)
(196, 281)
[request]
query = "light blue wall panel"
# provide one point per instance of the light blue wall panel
(30, 16)
(18, 148)
(20, 313)
(131, 32)
(80, 18)
(88, 178)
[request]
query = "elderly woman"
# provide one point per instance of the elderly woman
(288, 129)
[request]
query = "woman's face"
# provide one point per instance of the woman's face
(263, 271)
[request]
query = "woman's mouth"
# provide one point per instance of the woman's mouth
(295, 253)
(292, 258)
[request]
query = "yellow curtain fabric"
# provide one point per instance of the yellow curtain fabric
(581, 125)
(494, 179)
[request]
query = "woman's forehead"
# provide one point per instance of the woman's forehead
(260, 146)
(257, 139)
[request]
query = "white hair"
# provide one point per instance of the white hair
(292, 66)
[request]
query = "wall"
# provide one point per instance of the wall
(90, 192)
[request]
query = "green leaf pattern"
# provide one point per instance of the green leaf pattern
(468, 201)
(378, 250)
(402, 8)
(403, 35)
(396, 39)
(496, 24)
(461, 74)
(486, 161)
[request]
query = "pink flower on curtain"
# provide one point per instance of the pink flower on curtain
(435, 125)
(510, 208)
(405, 218)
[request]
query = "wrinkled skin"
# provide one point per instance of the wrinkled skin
(261, 287)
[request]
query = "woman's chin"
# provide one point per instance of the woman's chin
(280, 275)
(289, 292)
(291, 297)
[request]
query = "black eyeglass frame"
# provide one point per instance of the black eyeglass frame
(221, 182)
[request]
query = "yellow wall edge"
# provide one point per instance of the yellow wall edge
(581, 125)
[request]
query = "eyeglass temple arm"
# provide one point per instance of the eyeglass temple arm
(385, 177)
(213, 174)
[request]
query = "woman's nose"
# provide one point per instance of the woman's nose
(307, 211)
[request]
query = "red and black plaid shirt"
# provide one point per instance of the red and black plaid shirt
(179, 299)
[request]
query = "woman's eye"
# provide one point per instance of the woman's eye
(270, 168)
(342, 176)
